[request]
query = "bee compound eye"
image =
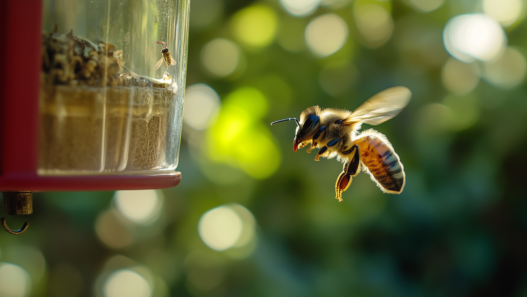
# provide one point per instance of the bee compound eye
(339, 122)
(310, 123)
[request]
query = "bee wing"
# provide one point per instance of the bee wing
(172, 61)
(381, 107)
(158, 64)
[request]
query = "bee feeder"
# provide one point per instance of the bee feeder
(81, 106)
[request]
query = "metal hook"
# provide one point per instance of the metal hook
(14, 232)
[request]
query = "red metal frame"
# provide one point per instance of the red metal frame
(20, 33)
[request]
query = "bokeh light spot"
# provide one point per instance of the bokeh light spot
(508, 71)
(128, 283)
(474, 36)
(455, 114)
(201, 106)
(227, 226)
(426, 5)
(458, 77)
(238, 137)
(142, 206)
(335, 4)
(374, 23)
(220, 228)
(255, 26)
(326, 34)
(29, 258)
(14, 281)
(506, 12)
(434, 118)
(249, 224)
(300, 7)
(112, 231)
(220, 57)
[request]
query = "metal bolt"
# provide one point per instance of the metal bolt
(18, 203)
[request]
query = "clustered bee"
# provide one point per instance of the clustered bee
(167, 57)
(72, 60)
(334, 132)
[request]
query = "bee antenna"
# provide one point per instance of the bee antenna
(285, 120)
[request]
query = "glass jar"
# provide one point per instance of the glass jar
(112, 85)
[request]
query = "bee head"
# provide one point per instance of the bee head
(306, 127)
(164, 50)
(309, 124)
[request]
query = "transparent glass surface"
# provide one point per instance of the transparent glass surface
(112, 85)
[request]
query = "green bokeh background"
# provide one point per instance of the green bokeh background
(458, 229)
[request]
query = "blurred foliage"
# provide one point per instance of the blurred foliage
(458, 229)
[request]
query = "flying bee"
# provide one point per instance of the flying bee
(334, 132)
(167, 57)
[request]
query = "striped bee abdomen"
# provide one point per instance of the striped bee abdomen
(382, 162)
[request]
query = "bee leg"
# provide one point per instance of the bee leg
(321, 152)
(350, 169)
(312, 145)
(310, 148)
(325, 148)
(315, 137)
(343, 182)
(333, 142)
